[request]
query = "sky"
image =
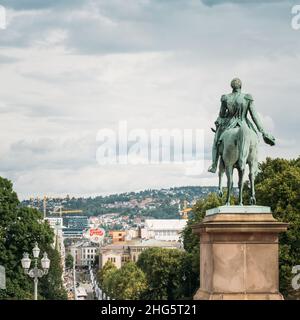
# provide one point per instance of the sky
(70, 68)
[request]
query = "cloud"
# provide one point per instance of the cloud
(240, 2)
(51, 154)
(38, 4)
(71, 70)
(7, 59)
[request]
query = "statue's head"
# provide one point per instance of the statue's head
(236, 83)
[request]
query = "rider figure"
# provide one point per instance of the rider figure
(233, 112)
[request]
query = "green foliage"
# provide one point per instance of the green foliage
(104, 272)
(20, 227)
(278, 186)
(190, 240)
(69, 261)
(168, 273)
(51, 286)
(127, 283)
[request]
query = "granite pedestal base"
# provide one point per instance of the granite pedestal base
(239, 254)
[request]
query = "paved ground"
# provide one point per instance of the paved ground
(84, 281)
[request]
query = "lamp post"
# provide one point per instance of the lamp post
(184, 278)
(35, 272)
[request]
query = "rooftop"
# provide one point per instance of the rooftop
(165, 224)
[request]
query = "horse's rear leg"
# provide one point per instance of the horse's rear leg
(241, 185)
(229, 171)
(221, 172)
(252, 178)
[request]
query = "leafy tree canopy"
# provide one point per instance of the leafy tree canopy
(20, 228)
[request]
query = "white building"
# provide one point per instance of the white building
(56, 223)
(163, 229)
(84, 253)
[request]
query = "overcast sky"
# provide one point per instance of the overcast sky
(72, 67)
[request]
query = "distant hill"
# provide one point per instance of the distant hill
(162, 203)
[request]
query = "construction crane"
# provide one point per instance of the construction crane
(60, 211)
(44, 206)
(57, 209)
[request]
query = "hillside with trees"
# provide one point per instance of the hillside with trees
(163, 203)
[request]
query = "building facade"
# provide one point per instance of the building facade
(56, 223)
(84, 253)
(119, 254)
(163, 229)
(74, 226)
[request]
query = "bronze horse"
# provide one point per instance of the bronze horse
(238, 147)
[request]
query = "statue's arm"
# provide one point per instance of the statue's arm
(255, 117)
(268, 138)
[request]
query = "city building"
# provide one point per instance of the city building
(56, 223)
(75, 222)
(84, 253)
(74, 226)
(163, 229)
(73, 233)
(119, 254)
(117, 236)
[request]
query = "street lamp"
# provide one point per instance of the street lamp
(35, 272)
(184, 278)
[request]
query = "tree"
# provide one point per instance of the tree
(278, 186)
(51, 286)
(104, 272)
(164, 272)
(128, 283)
(69, 261)
(20, 227)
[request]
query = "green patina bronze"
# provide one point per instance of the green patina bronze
(236, 140)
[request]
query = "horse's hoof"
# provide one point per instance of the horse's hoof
(227, 204)
(241, 204)
(252, 200)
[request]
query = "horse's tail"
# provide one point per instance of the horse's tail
(243, 145)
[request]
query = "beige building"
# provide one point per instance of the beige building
(117, 236)
(130, 250)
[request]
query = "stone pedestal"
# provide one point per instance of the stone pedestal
(239, 254)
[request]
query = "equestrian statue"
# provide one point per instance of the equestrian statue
(236, 140)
